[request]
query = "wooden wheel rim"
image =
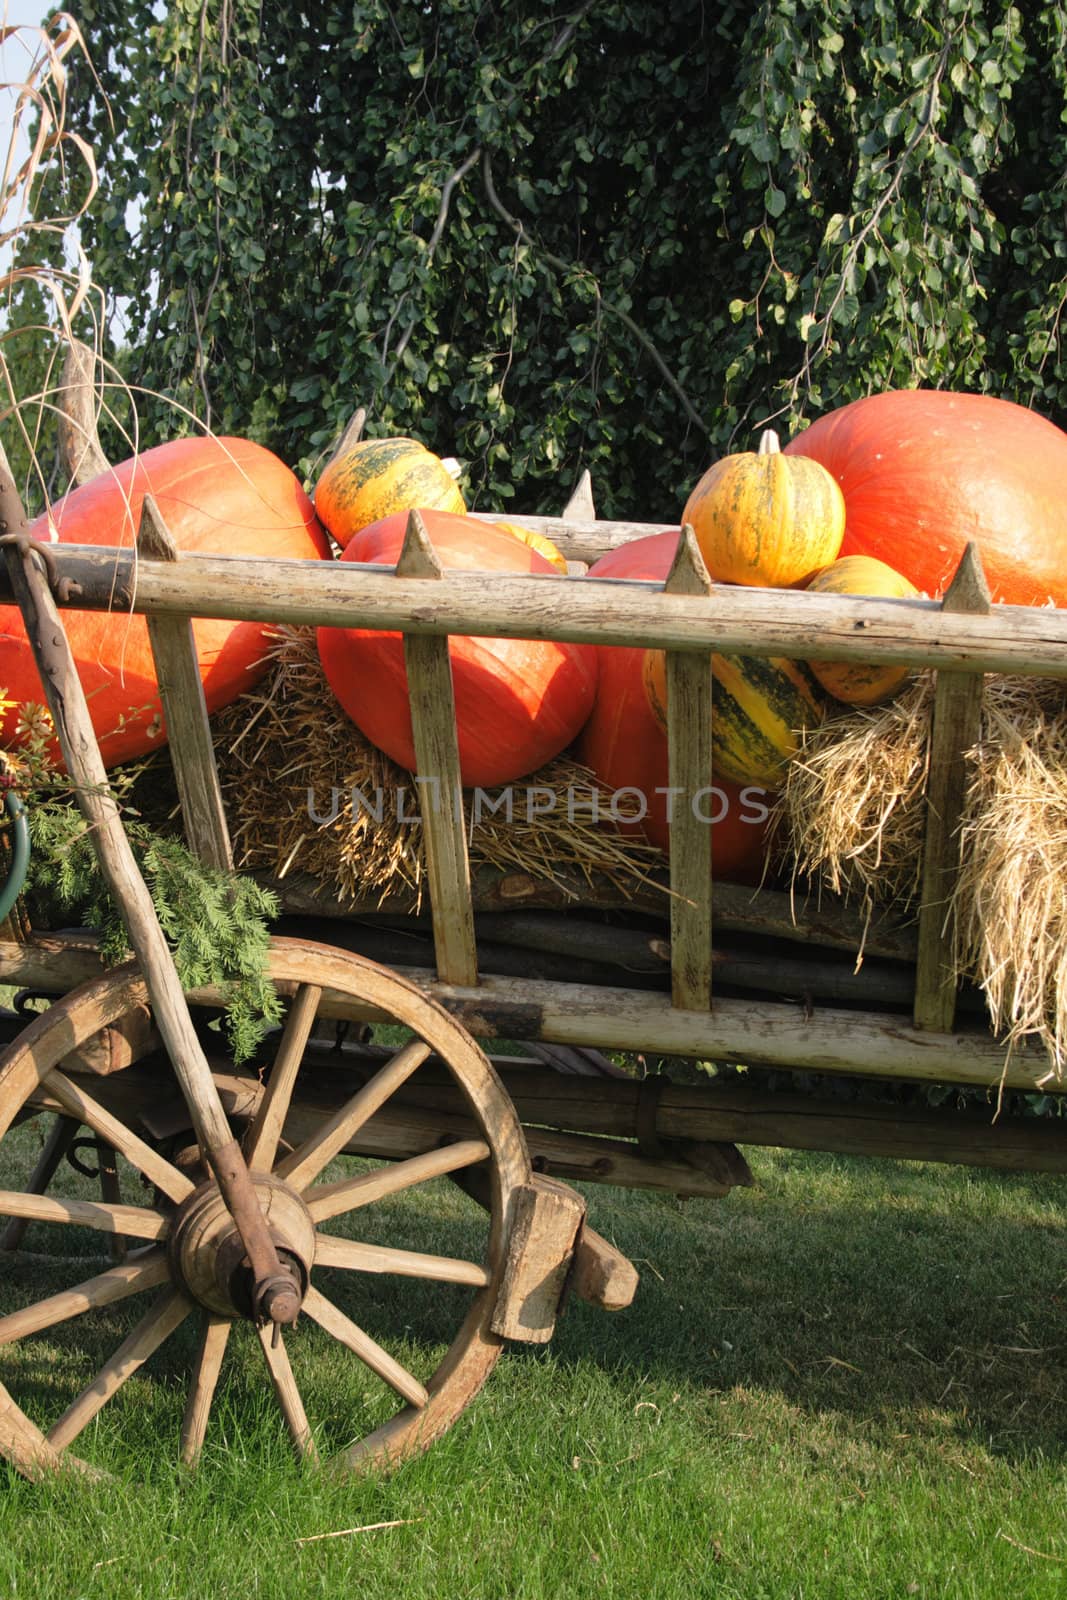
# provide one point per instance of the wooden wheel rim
(474, 1350)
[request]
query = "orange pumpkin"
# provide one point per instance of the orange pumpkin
(537, 541)
(861, 683)
(925, 470)
(217, 496)
(519, 702)
(627, 749)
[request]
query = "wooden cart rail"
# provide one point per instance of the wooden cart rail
(961, 636)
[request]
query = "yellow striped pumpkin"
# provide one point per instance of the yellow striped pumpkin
(759, 522)
(374, 478)
(861, 683)
(759, 706)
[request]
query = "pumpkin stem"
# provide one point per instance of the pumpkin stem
(768, 443)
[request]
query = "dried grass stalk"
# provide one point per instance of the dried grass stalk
(288, 740)
(852, 813)
(851, 808)
(1011, 897)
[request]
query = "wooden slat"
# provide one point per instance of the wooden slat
(433, 724)
(759, 622)
(955, 729)
(689, 713)
(181, 692)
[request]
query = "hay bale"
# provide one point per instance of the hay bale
(288, 742)
(1011, 896)
(851, 809)
(852, 816)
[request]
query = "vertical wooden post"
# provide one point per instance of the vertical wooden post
(185, 710)
(956, 725)
(689, 755)
(433, 725)
(79, 440)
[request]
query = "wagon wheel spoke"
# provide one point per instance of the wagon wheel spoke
(305, 1163)
(137, 1221)
(214, 1337)
(61, 1136)
(169, 1311)
(354, 1256)
(288, 1394)
(146, 1271)
(261, 1143)
(174, 1184)
(334, 1320)
(348, 1194)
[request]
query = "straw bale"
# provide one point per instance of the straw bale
(288, 742)
(852, 817)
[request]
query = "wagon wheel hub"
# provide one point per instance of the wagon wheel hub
(209, 1257)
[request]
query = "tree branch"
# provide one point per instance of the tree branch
(565, 267)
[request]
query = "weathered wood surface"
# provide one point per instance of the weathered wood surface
(758, 1032)
(827, 922)
(955, 728)
(181, 692)
(545, 1220)
(433, 726)
(775, 622)
(77, 413)
(581, 537)
(689, 712)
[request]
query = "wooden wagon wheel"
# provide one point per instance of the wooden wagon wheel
(188, 1255)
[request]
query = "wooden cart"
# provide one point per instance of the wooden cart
(231, 1217)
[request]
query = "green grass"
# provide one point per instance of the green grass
(849, 1381)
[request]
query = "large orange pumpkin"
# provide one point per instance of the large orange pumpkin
(218, 496)
(925, 470)
(519, 702)
(627, 749)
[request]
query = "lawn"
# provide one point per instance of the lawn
(848, 1381)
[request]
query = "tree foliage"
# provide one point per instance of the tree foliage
(619, 235)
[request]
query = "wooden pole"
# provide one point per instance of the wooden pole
(279, 1299)
(181, 692)
(762, 622)
(689, 713)
(433, 725)
(955, 728)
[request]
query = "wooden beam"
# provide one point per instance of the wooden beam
(181, 693)
(689, 714)
(955, 728)
(762, 622)
(433, 724)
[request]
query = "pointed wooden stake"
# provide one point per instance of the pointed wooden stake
(433, 726)
(181, 693)
(689, 713)
(580, 506)
(955, 729)
(79, 440)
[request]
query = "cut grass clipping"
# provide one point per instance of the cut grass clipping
(852, 811)
(287, 750)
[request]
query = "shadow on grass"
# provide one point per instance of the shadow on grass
(893, 1298)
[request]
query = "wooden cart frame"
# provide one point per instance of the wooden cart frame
(235, 1227)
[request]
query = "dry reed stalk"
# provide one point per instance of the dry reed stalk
(286, 750)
